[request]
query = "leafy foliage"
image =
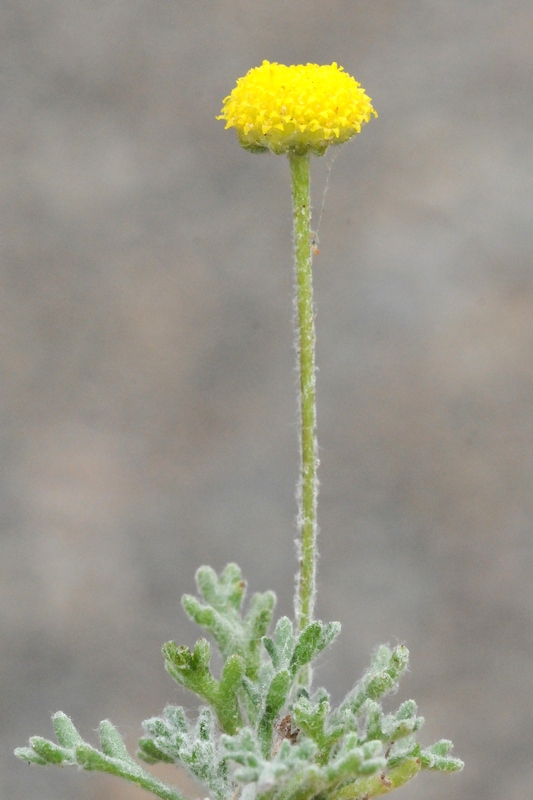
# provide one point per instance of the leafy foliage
(262, 734)
(113, 758)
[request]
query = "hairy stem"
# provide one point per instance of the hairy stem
(305, 332)
(146, 781)
(379, 784)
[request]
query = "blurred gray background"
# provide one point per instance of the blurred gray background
(148, 411)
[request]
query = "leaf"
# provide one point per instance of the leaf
(65, 730)
(275, 700)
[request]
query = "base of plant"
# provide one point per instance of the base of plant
(260, 734)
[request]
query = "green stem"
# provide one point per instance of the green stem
(308, 482)
(149, 783)
(379, 784)
(91, 759)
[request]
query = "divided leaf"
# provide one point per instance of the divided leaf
(171, 739)
(221, 614)
(262, 734)
(113, 759)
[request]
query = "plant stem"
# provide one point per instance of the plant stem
(379, 784)
(150, 783)
(92, 760)
(305, 343)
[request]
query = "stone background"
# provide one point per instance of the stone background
(148, 416)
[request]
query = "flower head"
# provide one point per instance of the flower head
(299, 108)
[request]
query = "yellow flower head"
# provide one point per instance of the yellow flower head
(298, 108)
